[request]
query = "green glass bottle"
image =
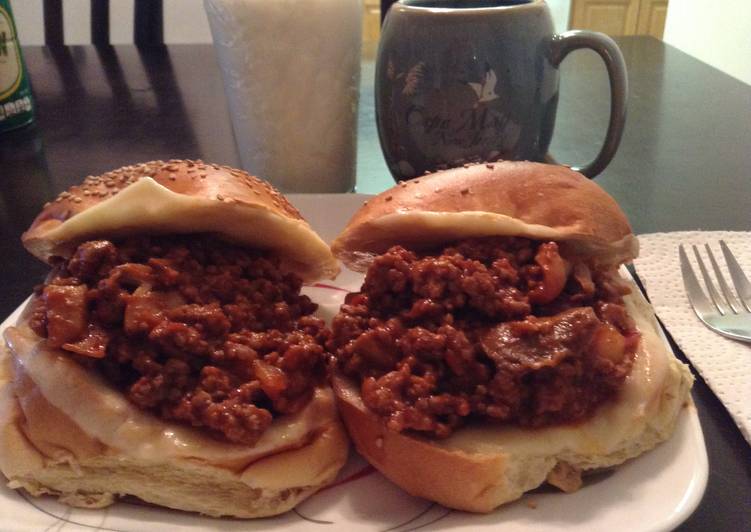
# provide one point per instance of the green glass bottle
(16, 103)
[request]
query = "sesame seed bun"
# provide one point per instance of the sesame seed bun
(533, 200)
(67, 433)
(484, 465)
(181, 197)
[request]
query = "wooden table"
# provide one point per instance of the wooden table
(685, 163)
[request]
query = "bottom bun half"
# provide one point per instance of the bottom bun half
(63, 432)
(482, 466)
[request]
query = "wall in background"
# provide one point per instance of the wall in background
(184, 21)
(28, 15)
(718, 33)
(561, 10)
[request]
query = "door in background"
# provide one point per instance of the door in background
(620, 17)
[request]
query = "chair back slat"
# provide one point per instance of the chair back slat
(148, 27)
(148, 24)
(100, 22)
(53, 22)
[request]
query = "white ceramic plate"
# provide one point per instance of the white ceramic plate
(656, 491)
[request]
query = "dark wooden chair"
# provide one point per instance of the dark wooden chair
(148, 24)
(73, 64)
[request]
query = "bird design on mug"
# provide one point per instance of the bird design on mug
(485, 90)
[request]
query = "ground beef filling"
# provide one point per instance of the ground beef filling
(494, 328)
(190, 328)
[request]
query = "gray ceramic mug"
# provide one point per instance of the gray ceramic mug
(477, 80)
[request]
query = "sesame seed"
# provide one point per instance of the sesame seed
(389, 198)
(219, 197)
(465, 191)
(379, 442)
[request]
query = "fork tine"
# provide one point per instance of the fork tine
(732, 301)
(742, 286)
(702, 305)
(719, 303)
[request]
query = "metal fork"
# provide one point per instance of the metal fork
(723, 312)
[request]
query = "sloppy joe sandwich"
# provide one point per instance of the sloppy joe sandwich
(494, 345)
(169, 355)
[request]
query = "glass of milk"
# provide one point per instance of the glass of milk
(291, 72)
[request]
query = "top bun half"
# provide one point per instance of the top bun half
(178, 197)
(532, 200)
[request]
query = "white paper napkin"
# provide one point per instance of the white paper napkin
(724, 364)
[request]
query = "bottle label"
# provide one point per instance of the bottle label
(11, 70)
(16, 104)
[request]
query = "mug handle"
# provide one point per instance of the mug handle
(606, 48)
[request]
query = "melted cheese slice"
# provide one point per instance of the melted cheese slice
(643, 414)
(104, 414)
(415, 229)
(657, 380)
(150, 208)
